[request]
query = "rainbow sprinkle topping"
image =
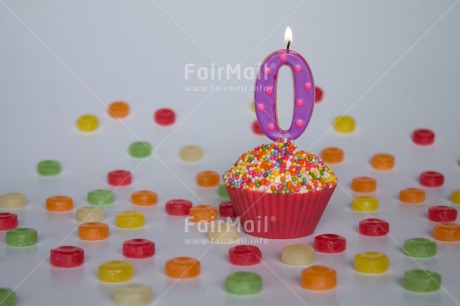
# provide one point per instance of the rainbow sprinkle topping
(280, 168)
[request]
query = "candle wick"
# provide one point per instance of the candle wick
(288, 44)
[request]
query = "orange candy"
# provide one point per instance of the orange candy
(383, 161)
(118, 109)
(182, 267)
(412, 195)
(93, 231)
(205, 213)
(332, 155)
(319, 278)
(363, 184)
(207, 178)
(144, 198)
(59, 203)
(447, 232)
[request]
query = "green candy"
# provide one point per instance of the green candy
(21, 237)
(420, 247)
(222, 191)
(7, 297)
(243, 283)
(421, 280)
(48, 168)
(101, 197)
(140, 149)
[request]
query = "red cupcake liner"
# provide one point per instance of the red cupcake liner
(279, 216)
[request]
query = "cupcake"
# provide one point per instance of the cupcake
(279, 191)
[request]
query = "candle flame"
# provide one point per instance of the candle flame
(288, 35)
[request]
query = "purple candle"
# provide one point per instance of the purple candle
(265, 92)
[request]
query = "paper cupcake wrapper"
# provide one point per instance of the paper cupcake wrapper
(279, 216)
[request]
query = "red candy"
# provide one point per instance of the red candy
(318, 94)
(256, 128)
(374, 227)
(178, 207)
(431, 179)
(442, 213)
(8, 221)
(119, 178)
(330, 243)
(226, 210)
(67, 256)
(138, 248)
(423, 137)
(165, 116)
(244, 255)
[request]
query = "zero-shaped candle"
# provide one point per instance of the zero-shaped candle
(265, 93)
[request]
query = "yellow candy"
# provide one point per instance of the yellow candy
(90, 214)
(87, 123)
(129, 219)
(191, 153)
(298, 255)
(455, 196)
(364, 204)
(253, 106)
(371, 262)
(222, 232)
(344, 124)
(12, 200)
(133, 295)
(116, 271)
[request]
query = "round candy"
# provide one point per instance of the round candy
(319, 278)
(226, 209)
(8, 221)
(178, 207)
(207, 179)
(130, 219)
(423, 137)
(442, 213)
(374, 227)
(318, 94)
(101, 197)
(191, 153)
(21, 237)
(87, 123)
(93, 231)
(165, 116)
(7, 297)
(330, 243)
(12, 200)
(383, 161)
(298, 255)
(455, 196)
(118, 109)
(256, 128)
(344, 124)
(419, 280)
(67, 256)
(332, 155)
(431, 179)
(144, 198)
(222, 191)
(222, 232)
(244, 255)
(48, 168)
(140, 149)
(363, 184)
(90, 214)
(59, 203)
(243, 283)
(133, 295)
(138, 248)
(371, 262)
(364, 203)
(412, 195)
(420, 247)
(119, 178)
(447, 232)
(182, 267)
(116, 271)
(204, 213)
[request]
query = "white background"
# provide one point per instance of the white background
(392, 65)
